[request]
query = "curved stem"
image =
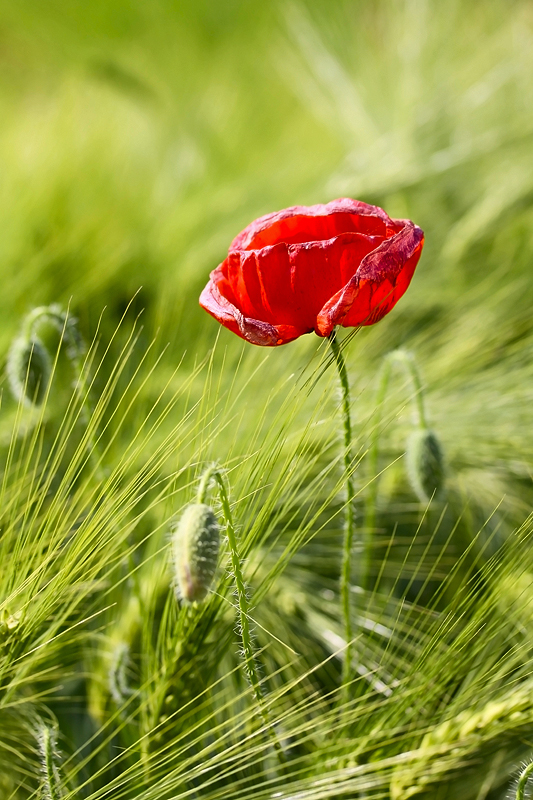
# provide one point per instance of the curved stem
(47, 747)
(203, 486)
(32, 319)
(349, 524)
(250, 664)
(522, 782)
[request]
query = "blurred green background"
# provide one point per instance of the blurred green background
(138, 138)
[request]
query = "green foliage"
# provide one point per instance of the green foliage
(137, 139)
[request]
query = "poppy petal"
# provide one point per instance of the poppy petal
(320, 269)
(382, 278)
(299, 224)
(252, 330)
(311, 268)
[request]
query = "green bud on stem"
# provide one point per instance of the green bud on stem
(195, 548)
(29, 366)
(425, 464)
(28, 370)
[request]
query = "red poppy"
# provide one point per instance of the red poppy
(311, 268)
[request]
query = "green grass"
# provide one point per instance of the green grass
(137, 140)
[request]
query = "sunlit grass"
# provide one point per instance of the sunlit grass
(137, 140)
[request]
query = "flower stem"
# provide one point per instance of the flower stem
(522, 782)
(349, 526)
(50, 774)
(250, 663)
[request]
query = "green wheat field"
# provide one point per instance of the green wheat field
(136, 140)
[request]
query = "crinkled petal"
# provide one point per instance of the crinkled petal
(299, 224)
(320, 269)
(312, 268)
(382, 278)
(261, 281)
(252, 330)
(289, 284)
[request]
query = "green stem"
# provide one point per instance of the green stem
(203, 486)
(349, 525)
(31, 320)
(47, 746)
(522, 783)
(250, 664)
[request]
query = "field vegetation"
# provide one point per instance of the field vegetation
(137, 139)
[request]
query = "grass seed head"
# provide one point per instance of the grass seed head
(195, 547)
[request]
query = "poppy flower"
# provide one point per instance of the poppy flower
(310, 268)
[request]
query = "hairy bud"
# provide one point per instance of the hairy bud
(28, 370)
(195, 546)
(51, 786)
(425, 464)
(65, 324)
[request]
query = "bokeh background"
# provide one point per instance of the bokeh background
(136, 140)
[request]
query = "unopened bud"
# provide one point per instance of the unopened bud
(195, 546)
(67, 326)
(28, 370)
(425, 464)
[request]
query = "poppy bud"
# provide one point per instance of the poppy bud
(66, 326)
(28, 370)
(195, 546)
(425, 464)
